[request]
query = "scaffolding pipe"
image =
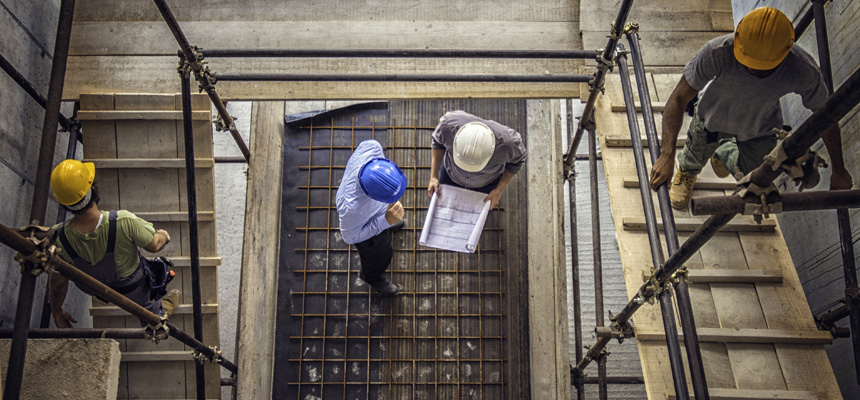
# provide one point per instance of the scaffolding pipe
(22, 81)
(22, 245)
(194, 245)
(800, 201)
(803, 24)
(596, 251)
(403, 53)
(604, 63)
(118, 333)
(682, 291)
(574, 261)
(201, 73)
(27, 286)
(667, 311)
(71, 150)
(617, 380)
(403, 78)
(843, 219)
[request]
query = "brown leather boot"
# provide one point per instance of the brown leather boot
(169, 302)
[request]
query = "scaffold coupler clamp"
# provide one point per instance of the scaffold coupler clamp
(201, 357)
(631, 28)
(651, 289)
(184, 67)
(157, 332)
(220, 126)
(46, 257)
(676, 277)
(618, 330)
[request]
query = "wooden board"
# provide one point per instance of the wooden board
(750, 305)
(548, 328)
(258, 288)
(137, 144)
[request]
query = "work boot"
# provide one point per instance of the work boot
(719, 168)
(681, 189)
(382, 286)
(169, 302)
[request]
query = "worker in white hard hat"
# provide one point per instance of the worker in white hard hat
(104, 245)
(474, 153)
(733, 86)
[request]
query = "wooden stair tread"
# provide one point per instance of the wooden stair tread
(745, 335)
(691, 224)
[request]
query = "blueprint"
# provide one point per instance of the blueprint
(455, 220)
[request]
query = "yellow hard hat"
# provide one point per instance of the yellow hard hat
(71, 180)
(763, 38)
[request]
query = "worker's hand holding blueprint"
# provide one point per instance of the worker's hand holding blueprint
(455, 220)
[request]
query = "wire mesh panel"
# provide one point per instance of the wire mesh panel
(444, 336)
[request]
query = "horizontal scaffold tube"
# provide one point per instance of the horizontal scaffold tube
(428, 53)
(20, 244)
(803, 201)
(402, 78)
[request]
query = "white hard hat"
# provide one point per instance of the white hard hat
(474, 144)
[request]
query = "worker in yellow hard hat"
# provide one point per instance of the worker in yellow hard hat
(105, 245)
(732, 88)
(474, 153)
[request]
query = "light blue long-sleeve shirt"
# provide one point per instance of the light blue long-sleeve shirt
(361, 217)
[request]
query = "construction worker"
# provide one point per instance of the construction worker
(103, 244)
(369, 211)
(474, 153)
(739, 79)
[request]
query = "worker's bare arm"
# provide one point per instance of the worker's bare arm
(840, 178)
(496, 194)
(435, 164)
(158, 242)
(673, 116)
(59, 286)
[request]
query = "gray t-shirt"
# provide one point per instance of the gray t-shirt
(509, 155)
(734, 101)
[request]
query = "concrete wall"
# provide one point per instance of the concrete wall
(28, 30)
(812, 237)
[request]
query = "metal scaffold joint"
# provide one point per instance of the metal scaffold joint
(158, 332)
(202, 357)
(616, 330)
(631, 28)
(220, 126)
(46, 257)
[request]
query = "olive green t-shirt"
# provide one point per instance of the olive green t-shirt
(131, 232)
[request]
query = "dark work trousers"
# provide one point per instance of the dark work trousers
(445, 179)
(375, 254)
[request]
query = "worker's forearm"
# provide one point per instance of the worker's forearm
(832, 138)
(436, 162)
(506, 177)
(159, 240)
(673, 116)
(59, 286)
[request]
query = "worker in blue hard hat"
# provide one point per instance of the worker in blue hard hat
(474, 153)
(369, 211)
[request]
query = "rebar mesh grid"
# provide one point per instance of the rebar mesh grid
(442, 337)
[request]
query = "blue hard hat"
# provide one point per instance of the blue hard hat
(382, 180)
